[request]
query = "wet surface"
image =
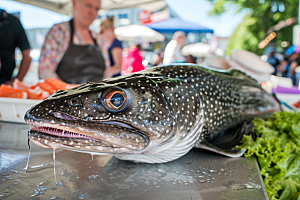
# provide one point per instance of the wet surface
(197, 175)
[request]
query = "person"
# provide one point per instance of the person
(114, 49)
(270, 52)
(294, 61)
(71, 52)
(172, 52)
(157, 58)
(132, 62)
(12, 35)
(282, 66)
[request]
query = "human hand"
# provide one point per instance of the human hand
(10, 82)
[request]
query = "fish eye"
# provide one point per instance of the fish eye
(114, 100)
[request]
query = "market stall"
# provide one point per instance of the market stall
(172, 25)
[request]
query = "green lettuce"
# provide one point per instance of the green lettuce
(277, 149)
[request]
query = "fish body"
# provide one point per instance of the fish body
(153, 116)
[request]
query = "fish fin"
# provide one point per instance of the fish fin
(245, 75)
(224, 142)
(225, 152)
(175, 152)
(168, 155)
(161, 157)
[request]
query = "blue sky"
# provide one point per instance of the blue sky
(191, 10)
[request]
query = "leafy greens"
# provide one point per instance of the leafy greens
(278, 152)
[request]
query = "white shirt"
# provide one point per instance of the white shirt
(172, 53)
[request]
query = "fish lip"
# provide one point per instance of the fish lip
(58, 125)
(36, 136)
(31, 120)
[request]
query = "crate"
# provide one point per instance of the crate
(14, 109)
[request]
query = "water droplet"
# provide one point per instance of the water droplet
(54, 164)
(252, 186)
(94, 177)
(59, 184)
(161, 171)
(44, 183)
(212, 171)
(202, 181)
(236, 186)
(73, 178)
(204, 173)
(55, 197)
(200, 176)
(28, 155)
(17, 172)
(53, 188)
(80, 195)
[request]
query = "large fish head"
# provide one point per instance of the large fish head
(129, 114)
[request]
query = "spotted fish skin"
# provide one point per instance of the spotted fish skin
(168, 110)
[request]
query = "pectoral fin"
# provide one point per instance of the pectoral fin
(225, 142)
(226, 152)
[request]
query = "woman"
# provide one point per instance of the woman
(132, 62)
(114, 48)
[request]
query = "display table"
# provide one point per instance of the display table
(197, 175)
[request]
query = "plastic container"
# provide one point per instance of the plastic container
(13, 109)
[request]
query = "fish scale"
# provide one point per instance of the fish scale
(162, 112)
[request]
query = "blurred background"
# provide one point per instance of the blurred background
(214, 27)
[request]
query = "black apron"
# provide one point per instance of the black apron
(81, 63)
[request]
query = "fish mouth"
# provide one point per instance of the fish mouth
(66, 132)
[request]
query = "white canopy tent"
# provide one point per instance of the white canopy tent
(135, 31)
(200, 50)
(64, 6)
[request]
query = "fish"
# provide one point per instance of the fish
(153, 116)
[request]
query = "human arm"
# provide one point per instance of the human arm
(25, 64)
(53, 49)
(169, 52)
(106, 73)
(292, 68)
(23, 43)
